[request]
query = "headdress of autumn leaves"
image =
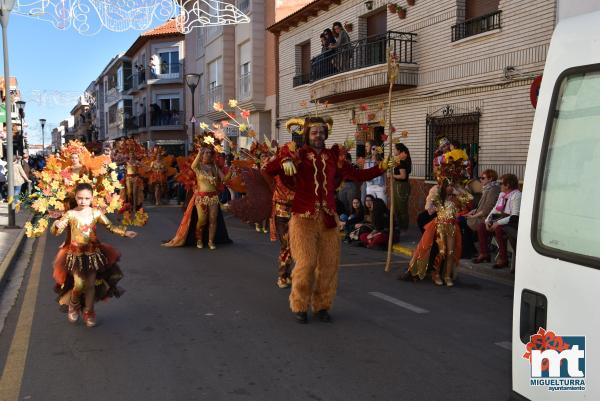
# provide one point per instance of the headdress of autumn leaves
(56, 183)
(127, 148)
(234, 117)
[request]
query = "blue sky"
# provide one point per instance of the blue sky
(53, 66)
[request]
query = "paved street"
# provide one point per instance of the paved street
(212, 325)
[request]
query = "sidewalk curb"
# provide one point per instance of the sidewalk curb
(13, 251)
(10, 256)
(403, 250)
(465, 266)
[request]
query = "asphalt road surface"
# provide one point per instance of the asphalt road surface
(211, 325)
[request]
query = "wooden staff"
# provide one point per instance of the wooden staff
(392, 75)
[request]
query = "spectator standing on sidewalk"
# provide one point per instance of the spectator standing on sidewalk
(19, 176)
(25, 163)
(3, 180)
(401, 185)
(348, 191)
(376, 186)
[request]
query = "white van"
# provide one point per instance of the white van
(557, 282)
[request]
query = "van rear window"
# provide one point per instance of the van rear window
(568, 197)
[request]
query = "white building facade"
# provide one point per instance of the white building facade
(466, 73)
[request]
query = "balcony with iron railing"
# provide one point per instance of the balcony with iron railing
(166, 118)
(475, 26)
(360, 68)
(139, 79)
(215, 95)
(141, 120)
(166, 71)
(245, 86)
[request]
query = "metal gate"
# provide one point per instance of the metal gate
(462, 127)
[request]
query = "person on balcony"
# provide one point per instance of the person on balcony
(343, 52)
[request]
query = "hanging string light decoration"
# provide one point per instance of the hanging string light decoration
(88, 17)
(202, 13)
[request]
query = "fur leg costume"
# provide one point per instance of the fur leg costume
(316, 250)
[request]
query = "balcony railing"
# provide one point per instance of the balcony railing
(476, 26)
(166, 71)
(302, 79)
(362, 53)
(215, 95)
(162, 117)
(139, 78)
(244, 86)
(141, 120)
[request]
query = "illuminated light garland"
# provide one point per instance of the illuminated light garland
(88, 17)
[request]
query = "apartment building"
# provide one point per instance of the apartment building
(235, 62)
(82, 121)
(139, 94)
(67, 129)
(466, 69)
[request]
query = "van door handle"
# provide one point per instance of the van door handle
(534, 312)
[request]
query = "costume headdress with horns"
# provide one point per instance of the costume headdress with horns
(325, 122)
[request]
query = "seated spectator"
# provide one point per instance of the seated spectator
(378, 236)
(365, 224)
(504, 214)
(356, 216)
(469, 223)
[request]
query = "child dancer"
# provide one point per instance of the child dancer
(85, 270)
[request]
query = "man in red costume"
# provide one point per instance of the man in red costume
(314, 239)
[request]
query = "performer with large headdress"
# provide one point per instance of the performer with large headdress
(313, 233)
(79, 189)
(203, 221)
(158, 170)
(131, 153)
(448, 198)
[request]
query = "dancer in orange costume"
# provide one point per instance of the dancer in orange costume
(85, 270)
(158, 174)
(448, 198)
(203, 211)
(314, 239)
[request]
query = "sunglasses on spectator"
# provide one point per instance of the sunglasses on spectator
(483, 177)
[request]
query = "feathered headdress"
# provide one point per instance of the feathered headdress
(127, 148)
(453, 167)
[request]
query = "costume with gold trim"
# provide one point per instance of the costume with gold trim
(203, 222)
(444, 229)
(313, 233)
(82, 253)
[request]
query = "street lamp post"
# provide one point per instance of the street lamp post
(21, 109)
(43, 124)
(192, 81)
(6, 7)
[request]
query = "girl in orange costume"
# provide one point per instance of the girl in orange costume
(85, 270)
